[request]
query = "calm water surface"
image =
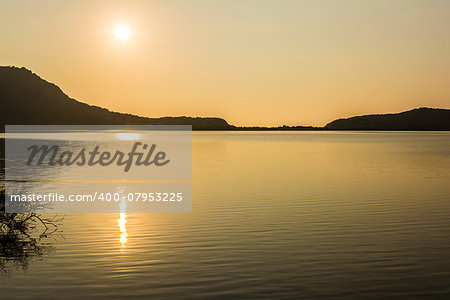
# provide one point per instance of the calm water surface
(275, 214)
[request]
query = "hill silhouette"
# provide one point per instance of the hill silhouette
(416, 119)
(27, 99)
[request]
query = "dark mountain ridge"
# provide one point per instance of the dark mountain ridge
(27, 99)
(417, 119)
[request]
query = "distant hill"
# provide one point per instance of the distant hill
(27, 99)
(416, 119)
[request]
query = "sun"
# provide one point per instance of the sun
(122, 32)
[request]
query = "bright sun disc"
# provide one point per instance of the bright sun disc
(122, 32)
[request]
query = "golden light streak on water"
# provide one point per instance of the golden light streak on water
(123, 229)
(122, 221)
(128, 136)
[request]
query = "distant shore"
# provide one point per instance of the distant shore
(28, 99)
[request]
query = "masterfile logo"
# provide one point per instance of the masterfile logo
(91, 168)
(53, 156)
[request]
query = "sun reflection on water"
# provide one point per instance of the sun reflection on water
(122, 221)
(123, 229)
(128, 136)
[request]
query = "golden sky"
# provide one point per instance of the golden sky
(251, 62)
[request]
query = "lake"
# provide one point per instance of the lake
(274, 215)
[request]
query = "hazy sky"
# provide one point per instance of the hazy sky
(250, 62)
